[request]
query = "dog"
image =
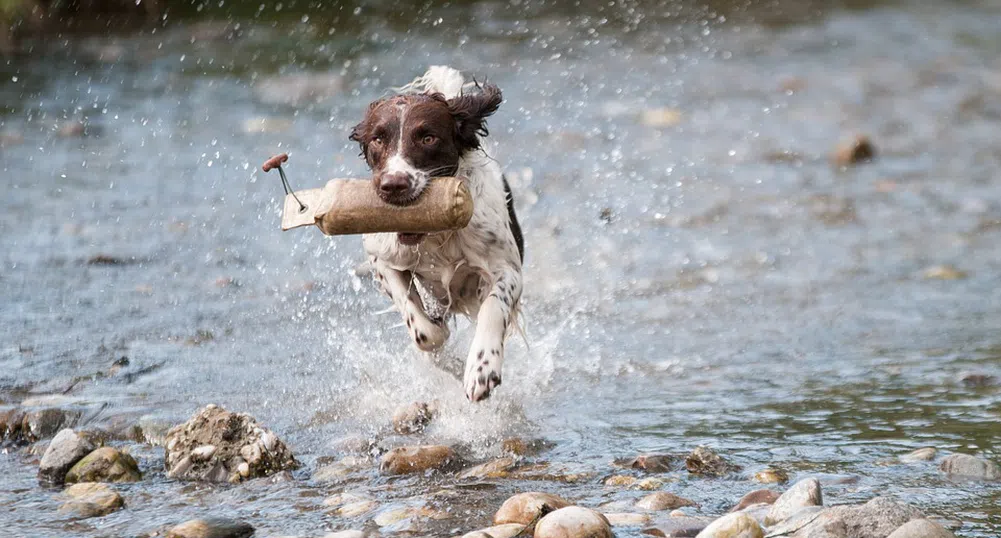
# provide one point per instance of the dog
(434, 126)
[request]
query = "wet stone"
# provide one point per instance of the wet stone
(859, 149)
(573, 522)
(507, 530)
(921, 454)
(341, 470)
(413, 418)
(758, 496)
(663, 500)
(526, 508)
(627, 519)
(417, 459)
(521, 447)
(65, 450)
(735, 525)
(704, 461)
(497, 468)
(652, 463)
(875, 519)
(921, 528)
(215, 527)
(216, 445)
(106, 464)
(802, 494)
(970, 467)
(771, 476)
(90, 499)
(678, 526)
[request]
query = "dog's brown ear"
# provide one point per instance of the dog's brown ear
(361, 132)
(471, 111)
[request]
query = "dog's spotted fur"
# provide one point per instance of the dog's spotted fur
(433, 128)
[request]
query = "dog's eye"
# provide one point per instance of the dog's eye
(429, 140)
(377, 141)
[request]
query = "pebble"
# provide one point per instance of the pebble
(970, 467)
(652, 463)
(91, 499)
(943, 272)
(573, 522)
(65, 450)
(858, 150)
(507, 530)
(771, 476)
(106, 464)
(340, 470)
(758, 496)
(416, 459)
(216, 445)
(704, 461)
(921, 528)
(626, 519)
(413, 418)
(620, 480)
(649, 484)
(735, 525)
(215, 527)
(525, 508)
(497, 468)
(802, 494)
(921, 454)
(663, 500)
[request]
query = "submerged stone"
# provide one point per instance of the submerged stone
(65, 450)
(106, 464)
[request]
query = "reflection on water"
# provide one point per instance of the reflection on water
(697, 271)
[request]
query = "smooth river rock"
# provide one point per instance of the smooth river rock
(213, 527)
(921, 454)
(413, 418)
(875, 519)
(970, 467)
(627, 519)
(735, 525)
(90, 499)
(507, 530)
(803, 493)
(573, 522)
(106, 464)
(66, 448)
(921, 528)
(526, 508)
(663, 500)
(704, 461)
(497, 468)
(758, 496)
(416, 459)
(216, 445)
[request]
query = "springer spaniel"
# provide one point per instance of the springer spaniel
(432, 127)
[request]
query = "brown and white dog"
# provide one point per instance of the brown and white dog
(432, 127)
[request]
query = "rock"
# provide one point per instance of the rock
(213, 527)
(663, 500)
(652, 463)
(858, 150)
(106, 464)
(521, 447)
(771, 476)
(345, 534)
(357, 508)
(526, 508)
(416, 459)
(649, 484)
(340, 499)
(341, 470)
(626, 519)
(44, 423)
(678, 526)
(413, 418)
(660, 117)
(66, 448)
(875, 519)
(620, 480)
(970, 467)
(91, 499)
(943, 272)
(573, 522)
(921, 528)
(758, 496)
(921, 454)
(977, 381)
(735, 525)
(507, 530)
(703, 461)
(236, 438)
(803, 493)
(806, 520)
(497, 468)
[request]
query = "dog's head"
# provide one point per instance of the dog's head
(408, 139)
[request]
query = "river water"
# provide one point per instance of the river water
(697, 271)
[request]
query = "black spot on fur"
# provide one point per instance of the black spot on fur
(480, 354)
(495, 379)
(479, 368)
(513, 221)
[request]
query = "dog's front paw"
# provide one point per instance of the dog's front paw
(427, 335)
(481, 381)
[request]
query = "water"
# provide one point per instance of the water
(713, 281)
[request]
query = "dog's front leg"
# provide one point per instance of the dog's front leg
(398, 285)
(486, 356)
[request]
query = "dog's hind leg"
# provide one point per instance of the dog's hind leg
(399, 286)
(486, 356)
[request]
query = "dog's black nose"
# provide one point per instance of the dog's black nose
(394, 184)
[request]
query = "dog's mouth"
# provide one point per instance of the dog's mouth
(409, 240)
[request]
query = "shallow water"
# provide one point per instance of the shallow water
(715, 281)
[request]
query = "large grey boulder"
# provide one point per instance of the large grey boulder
(66, 448)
